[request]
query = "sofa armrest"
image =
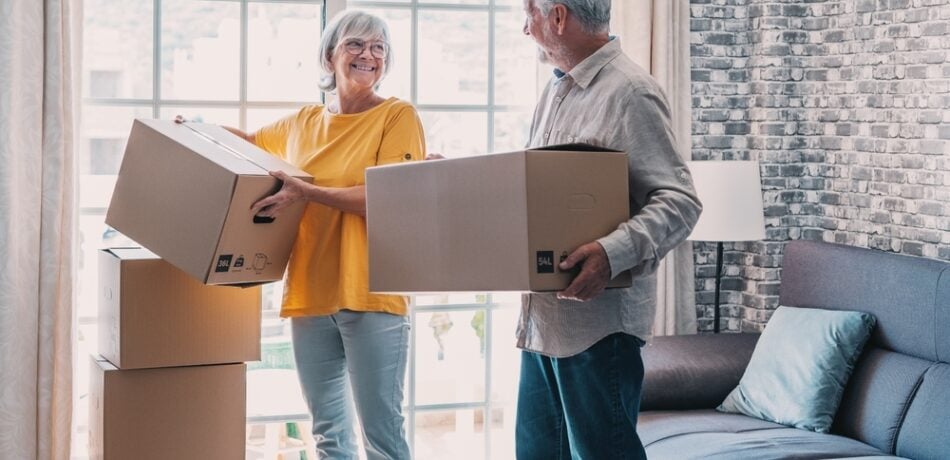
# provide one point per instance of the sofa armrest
(693, 371)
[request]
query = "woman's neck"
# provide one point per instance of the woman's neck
(349, 101)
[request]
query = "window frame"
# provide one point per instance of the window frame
(330, 8)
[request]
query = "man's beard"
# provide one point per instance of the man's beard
(543, 56)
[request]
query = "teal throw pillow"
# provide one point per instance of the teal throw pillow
(800, 367)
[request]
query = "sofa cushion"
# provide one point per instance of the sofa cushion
(909, 296)
(877, 397)
(925, 433)
(693, 371)
(656, 426)
(707, 434)
(800, 367)
(942, 316)
(871, 457)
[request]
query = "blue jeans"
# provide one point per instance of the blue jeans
(581, 407)
(369, 350)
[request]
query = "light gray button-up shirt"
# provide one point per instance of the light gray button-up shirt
(609, 101)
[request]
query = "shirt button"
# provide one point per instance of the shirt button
(557, 99)
(546, 135)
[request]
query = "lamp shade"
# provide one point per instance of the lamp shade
(731, 193)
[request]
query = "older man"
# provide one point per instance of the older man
(581, 370)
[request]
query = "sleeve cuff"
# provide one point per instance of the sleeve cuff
(617, 252)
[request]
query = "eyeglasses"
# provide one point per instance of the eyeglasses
(356, 46)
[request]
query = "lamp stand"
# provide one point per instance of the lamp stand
(718, 281)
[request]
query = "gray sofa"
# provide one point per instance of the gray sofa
(896, 404)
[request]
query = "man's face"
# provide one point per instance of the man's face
(536, 25)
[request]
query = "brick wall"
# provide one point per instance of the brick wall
(845, 106)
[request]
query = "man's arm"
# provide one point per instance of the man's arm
(664, 206)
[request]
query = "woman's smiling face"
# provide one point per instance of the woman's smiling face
(360, 62)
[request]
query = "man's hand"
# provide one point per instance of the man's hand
(292, 191)
(594, 275)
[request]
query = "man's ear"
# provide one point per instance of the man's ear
(559, 15)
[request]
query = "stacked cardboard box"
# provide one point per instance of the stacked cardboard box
(193, 412)
(170, 380)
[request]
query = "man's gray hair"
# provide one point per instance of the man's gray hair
(594, 15)
(346, 25)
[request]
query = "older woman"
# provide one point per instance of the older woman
(340, 330)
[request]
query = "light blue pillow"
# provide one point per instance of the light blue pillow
(800, 367)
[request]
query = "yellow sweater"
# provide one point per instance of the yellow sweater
(329, 266)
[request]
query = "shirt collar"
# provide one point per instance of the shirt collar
(584, 72)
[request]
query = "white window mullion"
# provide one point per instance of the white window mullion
(156, 56)
(242, 82)
(491, 82)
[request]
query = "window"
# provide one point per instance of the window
(245, 63)
(472, 74)
(234, 62)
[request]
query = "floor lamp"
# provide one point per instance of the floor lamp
(731, 193)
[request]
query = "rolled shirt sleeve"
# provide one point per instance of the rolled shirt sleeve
(663, 203)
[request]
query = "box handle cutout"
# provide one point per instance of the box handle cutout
(581, 202)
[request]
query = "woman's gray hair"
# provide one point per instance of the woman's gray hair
(346, 25)
(594, 15)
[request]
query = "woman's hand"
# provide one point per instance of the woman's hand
(291, 192)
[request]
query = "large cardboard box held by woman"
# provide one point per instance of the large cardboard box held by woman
(185, 192)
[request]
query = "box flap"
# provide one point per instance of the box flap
(103, 363)
(223, 148)
(247, 151)
(576, 147)
(131, 253)
(204, 147)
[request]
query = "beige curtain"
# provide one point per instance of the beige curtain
(655, 34)
(37, 226)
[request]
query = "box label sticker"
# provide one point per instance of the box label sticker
(224, 263)
(545, 261)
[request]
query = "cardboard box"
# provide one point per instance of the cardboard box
(185, 192)
(498, 222)
(152, 314)
(185, 413)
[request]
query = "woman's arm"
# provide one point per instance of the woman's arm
(346, 199)
(241, 134)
